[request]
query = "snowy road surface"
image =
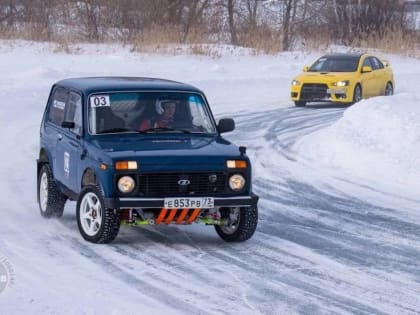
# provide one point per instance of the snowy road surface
(326, 243)
(317, 249)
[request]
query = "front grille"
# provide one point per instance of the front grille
(199, 184)
(311, 91)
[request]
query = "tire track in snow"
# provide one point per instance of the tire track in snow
(348, 230)
(316, 250)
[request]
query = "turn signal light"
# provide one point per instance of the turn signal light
(236, 164)
(126, 165)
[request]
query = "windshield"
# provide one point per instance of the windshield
(335, 64)
(145, 112)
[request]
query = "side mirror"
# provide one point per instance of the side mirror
(305, 69)
(225, 125)
(366, 69)
(68, 124)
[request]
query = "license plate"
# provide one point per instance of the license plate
(331, 91)
(180, 203)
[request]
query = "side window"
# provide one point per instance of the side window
(57, 106)
(74, 112)
(378, 63)
(366, 63)
(200, 117)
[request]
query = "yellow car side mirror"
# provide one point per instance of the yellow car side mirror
(305, 69)
(366, 69)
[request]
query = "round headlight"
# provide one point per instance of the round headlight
(236, 182)
(126, 184)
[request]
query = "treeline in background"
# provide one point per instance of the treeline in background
(266, 25)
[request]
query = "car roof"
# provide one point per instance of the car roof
(89, 85)
(350, 55)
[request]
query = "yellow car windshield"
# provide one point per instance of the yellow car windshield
(335, 64)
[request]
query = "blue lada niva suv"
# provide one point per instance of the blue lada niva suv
(139, 151)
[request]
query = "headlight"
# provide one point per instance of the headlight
(342, 83)
(295, 83)
(126, 184)
(236, 182)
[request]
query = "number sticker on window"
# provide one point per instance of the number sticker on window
(59, 104)
(99, 101)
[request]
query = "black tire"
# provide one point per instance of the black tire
(51, 200)
(389, 89)
(357, 94)
(244, 228)
(300, 103)
(103, 230)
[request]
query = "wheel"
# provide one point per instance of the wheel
(50, 199)
(243, 222)
(300, 103)
(389, 89)
(357, 94)
(96, 223)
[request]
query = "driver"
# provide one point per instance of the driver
(165, 110)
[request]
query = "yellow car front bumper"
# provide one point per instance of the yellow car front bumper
(321, 92)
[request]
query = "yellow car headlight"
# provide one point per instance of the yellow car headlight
(295, 83)
(341, 83)
(126, 184)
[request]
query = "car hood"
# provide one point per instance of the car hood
(170, 153)
(327, 77)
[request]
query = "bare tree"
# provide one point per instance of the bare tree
(355, 19)
(254, 23)
(288, 5)
(195, 9)
(231, 9)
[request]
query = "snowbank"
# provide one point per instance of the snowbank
(377, 141)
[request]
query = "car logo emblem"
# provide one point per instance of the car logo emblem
(212, 178)
(183, 182)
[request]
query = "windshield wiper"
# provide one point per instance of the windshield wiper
(111, 130)
(115, 130)
(158, 129)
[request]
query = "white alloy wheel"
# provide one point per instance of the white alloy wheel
(43, 192)
(242, 224)
(234, 218)
(90, 214)
(97, 224)
(50, 199)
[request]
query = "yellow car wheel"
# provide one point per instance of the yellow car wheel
(389, 89)
(357, 94)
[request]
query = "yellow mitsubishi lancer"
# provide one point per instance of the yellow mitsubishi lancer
(343, 78)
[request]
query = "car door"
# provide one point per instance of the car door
(69, 148)
(52, 130)
(380, 76)
(368, 79)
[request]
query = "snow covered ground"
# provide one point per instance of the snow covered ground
(339, 228)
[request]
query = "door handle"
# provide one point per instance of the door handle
(83, 154)
(59, 137)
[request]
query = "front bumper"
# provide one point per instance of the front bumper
(144, 203)
(328, 94)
